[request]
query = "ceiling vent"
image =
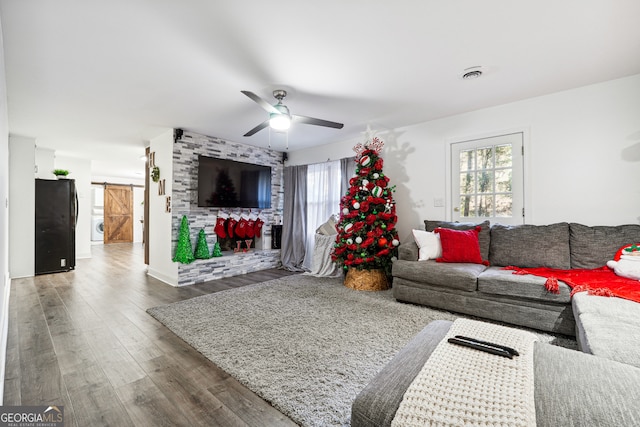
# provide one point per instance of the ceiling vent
(471, 73)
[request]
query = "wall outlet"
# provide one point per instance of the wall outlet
(63, 262)
(438, 202)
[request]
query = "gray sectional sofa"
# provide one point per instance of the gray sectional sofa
(494, 293)
(598, 386)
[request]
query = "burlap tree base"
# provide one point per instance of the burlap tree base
(366, 280)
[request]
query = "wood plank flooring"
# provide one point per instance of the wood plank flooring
(84, 340)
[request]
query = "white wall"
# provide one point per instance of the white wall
(22, 206)
(138, 213)
(161, 265)
(581, 159)
(80, 171)
(5, 280)
(45, 163)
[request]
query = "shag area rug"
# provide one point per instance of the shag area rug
(307, 345)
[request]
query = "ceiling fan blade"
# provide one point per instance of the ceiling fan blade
(257, 128)
(261, 102)
(317, 122)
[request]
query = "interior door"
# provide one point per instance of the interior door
(487, 179)
(118, 214)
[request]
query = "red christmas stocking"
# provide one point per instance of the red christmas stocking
(251, 223)
(241, 228)
(219, 228)
(231, 225)
(258, 227)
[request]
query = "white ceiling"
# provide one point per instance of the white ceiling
(98, 79)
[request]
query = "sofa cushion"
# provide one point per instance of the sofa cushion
(577, 389)
(530, 245)
(592, 247)
(409, 251)
(454, 276)
(608, 327)
(483, 236)
(459, 245)
(497, 281)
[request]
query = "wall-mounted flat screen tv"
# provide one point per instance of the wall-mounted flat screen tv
(226, 183)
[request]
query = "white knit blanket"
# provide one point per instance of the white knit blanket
(460, 386)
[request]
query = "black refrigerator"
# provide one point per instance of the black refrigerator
(56, 217)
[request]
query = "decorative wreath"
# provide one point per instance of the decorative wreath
(155, 174)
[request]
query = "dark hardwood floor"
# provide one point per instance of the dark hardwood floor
(84, 340)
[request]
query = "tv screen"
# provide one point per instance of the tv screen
(229, 184)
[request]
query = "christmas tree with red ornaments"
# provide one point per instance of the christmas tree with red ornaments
(367, 238)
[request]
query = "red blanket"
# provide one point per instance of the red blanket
(599, 281)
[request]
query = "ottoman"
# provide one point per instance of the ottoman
(571, 388)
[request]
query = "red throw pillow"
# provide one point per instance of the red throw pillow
(460, 246)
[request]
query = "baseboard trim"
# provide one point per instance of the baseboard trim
(162, 277)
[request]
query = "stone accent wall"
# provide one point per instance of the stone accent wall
(184, 201)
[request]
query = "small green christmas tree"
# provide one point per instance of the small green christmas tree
(217, 252)
(184, 250)
(202, 249)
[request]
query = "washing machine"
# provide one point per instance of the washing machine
(97, 229)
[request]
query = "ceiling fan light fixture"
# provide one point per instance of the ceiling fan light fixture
(279, 115)
(279, 121)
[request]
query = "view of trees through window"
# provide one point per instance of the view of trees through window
(486, 182)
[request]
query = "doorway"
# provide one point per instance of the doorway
(118, 214)
(487, 179)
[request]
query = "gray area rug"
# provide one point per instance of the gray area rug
(307, 345)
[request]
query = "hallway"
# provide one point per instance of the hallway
(83, 340)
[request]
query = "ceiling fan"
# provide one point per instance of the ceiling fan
(279, 116)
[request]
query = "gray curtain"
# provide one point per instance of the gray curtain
(348, 169)
(294, 223)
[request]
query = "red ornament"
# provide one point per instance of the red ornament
(382, 241)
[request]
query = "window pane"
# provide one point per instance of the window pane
(503, 156)
(504, 205)
(467, 206)
(485, 206)
(485, 182)
(503, 181)
(467, 160)
(485, 158)
(467, 183)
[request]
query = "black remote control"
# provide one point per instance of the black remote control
(481, 347)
